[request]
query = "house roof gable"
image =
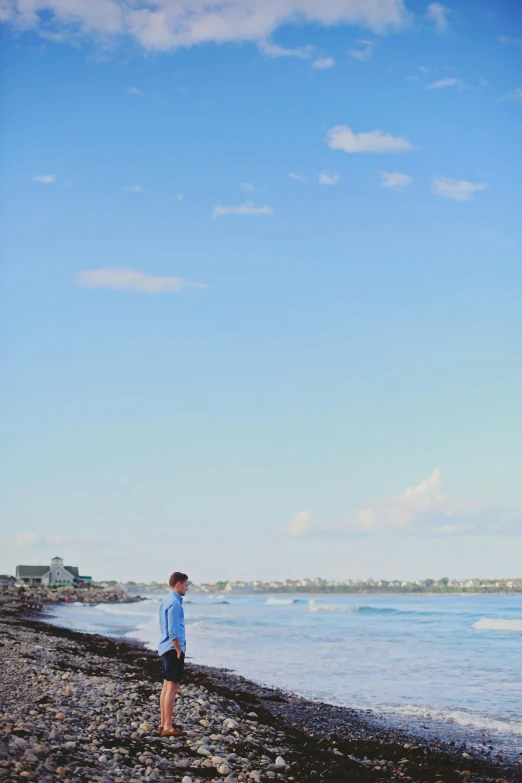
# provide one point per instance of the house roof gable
(27, 572)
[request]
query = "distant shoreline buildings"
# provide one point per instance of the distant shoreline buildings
(318, 585)
(58, 574)
(349, 586)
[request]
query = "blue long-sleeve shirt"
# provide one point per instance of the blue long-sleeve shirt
(172, 623)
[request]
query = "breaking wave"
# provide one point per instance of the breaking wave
(459, 717)
(316, 606)
(497, 624)
(280, 601)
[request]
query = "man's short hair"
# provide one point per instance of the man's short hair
(176, 577)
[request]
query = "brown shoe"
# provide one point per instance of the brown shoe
(160, 729)
(173, 733)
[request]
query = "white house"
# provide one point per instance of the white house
(56, 573)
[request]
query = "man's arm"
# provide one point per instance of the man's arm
(174, 617)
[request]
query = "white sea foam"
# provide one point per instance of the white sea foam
(498, 624)
(475, 720)
(146, 633)
(280, 601)
(316, 606)
(147, 608)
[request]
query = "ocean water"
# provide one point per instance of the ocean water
(447, 666)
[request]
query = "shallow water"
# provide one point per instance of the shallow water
(445, 665)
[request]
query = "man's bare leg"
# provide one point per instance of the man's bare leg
(162, 703)
(171, 690)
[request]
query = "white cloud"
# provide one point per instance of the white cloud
(123, 278)
(458, 190)
(26, 539)
(395, 180)
(341, 137)
(364, 52)
(248, 186)
(300, 524)
(33, 540)
(450, 81)
(322, 63)
(295, 176)
(516, 95)
(175, 196)
(423, 69)
(329, 178)
(425, 509)
(273, 50)
(135, 91)
(170, 24)
(438, 15)
(46, 179)
(248, 208)
(398, 511)
(505, 40)
(134, 189)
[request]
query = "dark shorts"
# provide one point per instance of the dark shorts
(173, 666)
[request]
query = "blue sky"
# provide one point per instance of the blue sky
(260, 287)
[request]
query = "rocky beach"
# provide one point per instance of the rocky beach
(82, 707)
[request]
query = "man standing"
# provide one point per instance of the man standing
(172, 648)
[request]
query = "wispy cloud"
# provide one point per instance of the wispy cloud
(248, 208)
(299, 52)
(45, 179)
(171, 24)
(175, 196)
(322, 63)
(134, 189)
(364, 51)
(516, 95)
(423, 69)
(506, 40)
(395, 180)
(422, 509)
(135, 91)
(458, 190)
(34, 540)
(449, 81)
(438, 14)
(300, 524)
(123, 278)
(341, 137)
(426, 509)
(329, 178)
(296, 177)
(248, 186)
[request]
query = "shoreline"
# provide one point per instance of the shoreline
(445, 729)
(318, 741)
